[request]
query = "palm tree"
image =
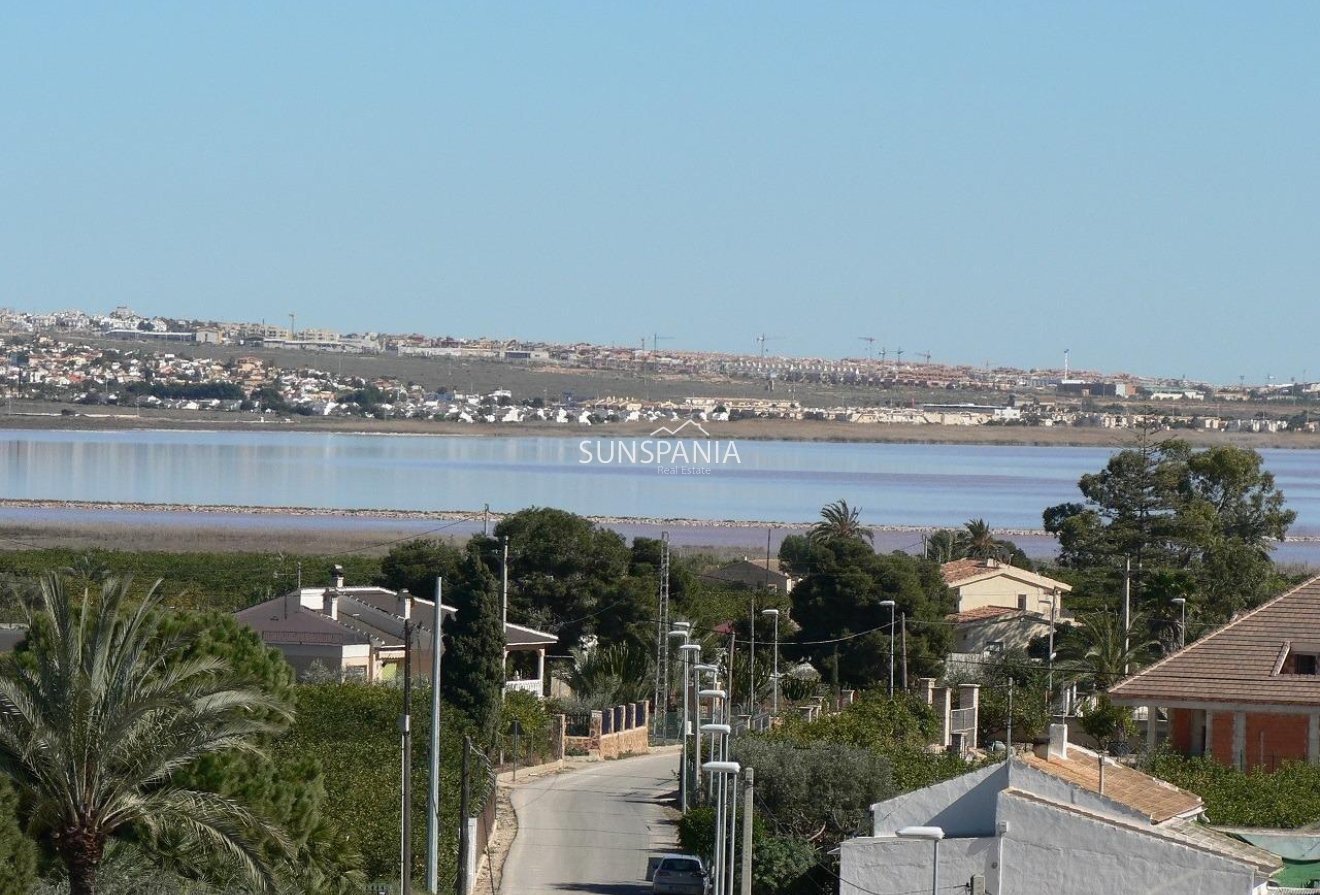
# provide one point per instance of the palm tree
(103, 713)
(980, 540)
(611, 675)
(839, 522)
(1100, 654)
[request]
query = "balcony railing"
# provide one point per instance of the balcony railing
(532, 685)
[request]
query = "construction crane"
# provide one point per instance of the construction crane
(656, 340)
(763, 338)
(926, 355)
(883, 352)
(870, 345)
(898, 352)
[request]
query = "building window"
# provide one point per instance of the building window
(1301, 661)
(1022, 602)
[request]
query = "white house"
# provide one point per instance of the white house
(1065, 821)
(357, 631)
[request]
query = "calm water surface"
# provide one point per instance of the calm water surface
(895, 484)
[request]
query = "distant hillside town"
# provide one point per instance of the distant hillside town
(71, 357)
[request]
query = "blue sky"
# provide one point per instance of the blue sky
(987, 181)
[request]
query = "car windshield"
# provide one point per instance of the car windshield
(681, 865)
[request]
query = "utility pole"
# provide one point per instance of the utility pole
(733, 812)
(1127, 612)
(746, 887)
(460, 878)
(405, 731)
(661, 698)
(903, 626)
(504, 610)
(433, 791)
(1009, 749)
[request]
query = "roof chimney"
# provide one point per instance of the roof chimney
(338, 575)
(405, 603)
(330, 603)
(1058, 747)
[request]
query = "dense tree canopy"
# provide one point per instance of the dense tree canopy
(1193, 524)
(570, 576)
(416, 564)
(840, 597)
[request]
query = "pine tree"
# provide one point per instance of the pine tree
(474, 655)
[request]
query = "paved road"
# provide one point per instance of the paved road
(591, 830)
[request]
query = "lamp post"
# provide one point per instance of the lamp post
(723, 769)
(711, 728)
(774, 674)
(933, 835)
(690, 651)
(1054, 614)
(679, 635)
(891, 605)
(1181, 603)
(694, 792)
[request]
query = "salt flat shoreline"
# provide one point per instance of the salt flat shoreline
(52, 419)
(477, 516)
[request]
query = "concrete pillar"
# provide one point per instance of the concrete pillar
(1240, 740)
(1152, 716)
(927, 690)
(969, 697)
(1313, 738)
(540, 669)
(1209, 734)
(944, 711)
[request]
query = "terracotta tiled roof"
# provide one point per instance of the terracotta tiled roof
(1153, 797)
(1239, 663)
(962, 569)
(980, 614)
(965, 571)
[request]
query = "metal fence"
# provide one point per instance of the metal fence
(667, 727)
(577, 724)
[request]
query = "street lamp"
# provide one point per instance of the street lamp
(891, 605)
(1181, 603)
(774, 675)
(713, 695)
(690, 651)
(930, 834)
(725, 769)
(715, 789)
(697, 670)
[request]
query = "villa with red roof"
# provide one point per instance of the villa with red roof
(1247, 695)
(1000, 607)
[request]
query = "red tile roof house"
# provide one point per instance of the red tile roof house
(1000, 607)
(1247, 695)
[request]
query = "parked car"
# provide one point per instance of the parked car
(680, 875)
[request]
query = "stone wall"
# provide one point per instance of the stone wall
(615, 732)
